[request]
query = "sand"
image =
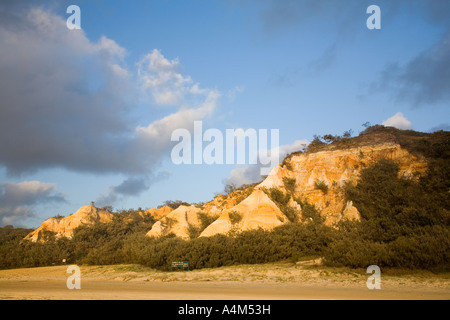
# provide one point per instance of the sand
(286, 281)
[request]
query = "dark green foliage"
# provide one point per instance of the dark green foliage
(9, 234)
(287, 165)
(102, 245)
(290, 213)
(309, 212)
(16, 253)
(404, 223)
(281, 200)
(235, 217)
(98, 244)
(316, 144)
(205, 220)
(289, 184)
(287, 242)
(278, 196)
(321, 185)
(193, 231)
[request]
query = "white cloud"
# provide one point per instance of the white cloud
(162, 77)
(169, 87)
(72, 97)
(398, 121)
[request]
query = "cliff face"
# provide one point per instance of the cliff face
(317, 178)
(158, 213)
(252, 208)
(321, 176)
(178, 222)
(256, 211)
(64, 227)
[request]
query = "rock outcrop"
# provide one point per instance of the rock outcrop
(321, 176)
(64, 227)
(316, 177)
(158, 213)
(181, 222)
(257, 211)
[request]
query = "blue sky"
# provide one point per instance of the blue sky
(86, 115)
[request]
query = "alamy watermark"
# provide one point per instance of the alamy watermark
(374, 21)
(74, 20)
(229, 149)
(74, 280)
(374, 281)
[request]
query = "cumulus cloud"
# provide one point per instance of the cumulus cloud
(168, 86)
(252, 173)
(63, 97)
(398, 121)
(162, 79)
(17, 199)
(66, 99)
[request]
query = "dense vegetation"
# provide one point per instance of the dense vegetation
(405, 223)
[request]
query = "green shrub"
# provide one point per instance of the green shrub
(235, 217)
(404, 223)
(205, 220)
(310, 213)
(289, 184)
(278, 197)
(193, 231)
(281, 200)
(321, 185)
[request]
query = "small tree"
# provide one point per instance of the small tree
(366, 124)
(229, 188)
(329, 138)
(347, 134)
(107, 208)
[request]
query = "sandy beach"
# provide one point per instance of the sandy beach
(285, 281)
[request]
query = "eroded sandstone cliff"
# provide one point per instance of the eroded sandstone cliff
(320, 177)
(64, 227)
(316, 177)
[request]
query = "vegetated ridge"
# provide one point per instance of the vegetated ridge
(379, 198)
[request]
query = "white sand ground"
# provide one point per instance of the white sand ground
(286, 281)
